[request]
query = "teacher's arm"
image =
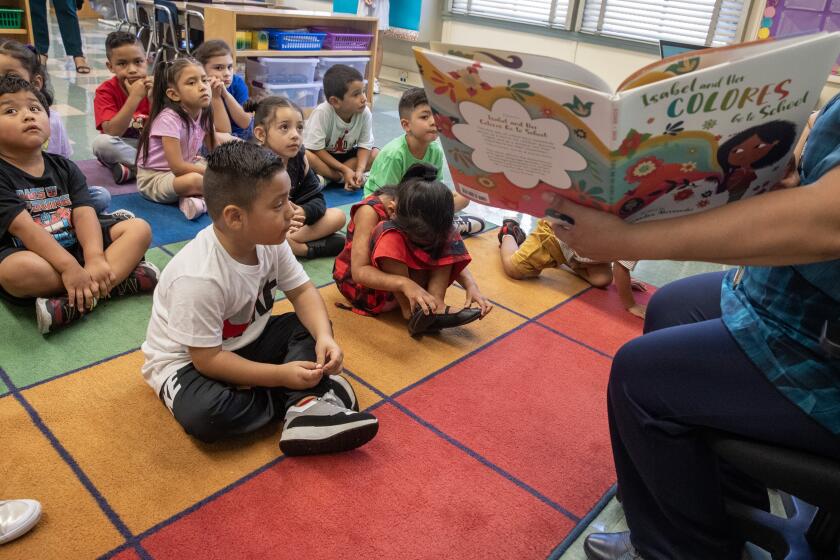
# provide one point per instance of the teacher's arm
(794, 226)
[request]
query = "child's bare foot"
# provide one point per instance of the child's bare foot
(638, 310)
(351, 188)
(638, 286)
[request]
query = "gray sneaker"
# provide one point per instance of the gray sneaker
(324, 425)
(344, 391)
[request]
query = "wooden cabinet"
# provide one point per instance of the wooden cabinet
(24, 32)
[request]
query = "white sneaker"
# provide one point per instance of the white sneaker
(324, 425)
(17, 517)
(192, 206)
(376, 86)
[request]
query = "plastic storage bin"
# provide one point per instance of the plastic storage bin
(358, 62)
(281, 70)
(10, 18)
(339, 39)
(304, 95)
(295, 40)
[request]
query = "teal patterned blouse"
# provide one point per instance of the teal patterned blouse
(776, 313)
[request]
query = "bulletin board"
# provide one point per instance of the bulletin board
(784, 18)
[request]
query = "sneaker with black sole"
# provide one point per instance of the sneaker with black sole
(325, 425)
(511, 227)
(123, 173)
(329, 246)
(468, 225)
(55, 312)
(142, 279)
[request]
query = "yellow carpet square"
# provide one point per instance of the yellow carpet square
(72, 524)
(380, 350)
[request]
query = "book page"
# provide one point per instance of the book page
(685, 63)
(707, 138)
(528, 63)
(514, 140)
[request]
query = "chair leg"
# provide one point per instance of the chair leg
(824, 535)
(783, 538)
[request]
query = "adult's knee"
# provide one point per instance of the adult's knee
(629, 368)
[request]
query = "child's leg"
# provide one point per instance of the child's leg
(461, 202)
(189, 184)
(373, 153)
(113, 149)
(599, 275)
(438, 282)
(321, 168)
(397, 268)
(129, 241)
(25, 274)
(624, 285)
(332, 221)
(508, 249)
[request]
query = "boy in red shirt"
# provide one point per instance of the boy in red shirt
(121, 105)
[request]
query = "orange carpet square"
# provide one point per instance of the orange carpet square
(72, 524)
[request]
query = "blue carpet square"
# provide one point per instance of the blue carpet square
(168, 223)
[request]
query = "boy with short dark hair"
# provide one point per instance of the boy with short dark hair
(52, 245)
(339, 133)
(214, 354)
(121, 105)
(419, 144)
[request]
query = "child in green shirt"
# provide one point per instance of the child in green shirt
(418, 145)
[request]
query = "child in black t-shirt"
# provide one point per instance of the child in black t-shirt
(52, 245)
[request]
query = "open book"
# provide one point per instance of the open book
(687, 133)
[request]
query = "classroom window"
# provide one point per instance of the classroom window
(545, 13)
(699, 22)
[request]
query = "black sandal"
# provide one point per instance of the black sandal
(81, 68)
(329, 246)
(433, 322)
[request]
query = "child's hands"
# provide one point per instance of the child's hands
(299, 375)
(217, 87)
(474, 295)
(638, 310)
(350, 181)
(370, 3)
(328, 352)
(298, 219)
(359, 177)
(418, 297)
(101, 276)
(77, 282)
(139, 89)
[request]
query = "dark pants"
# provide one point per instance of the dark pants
(68, 24)
(685, 374)
(211, 410)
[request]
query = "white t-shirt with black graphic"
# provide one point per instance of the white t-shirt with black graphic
(326, 131)
(205, 298)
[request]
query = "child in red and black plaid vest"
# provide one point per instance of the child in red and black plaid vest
(407, 254)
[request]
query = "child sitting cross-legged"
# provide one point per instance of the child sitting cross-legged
(339, 132)
(278, 124)
(419, 144)
(403, 251)
(527, 256)
(52, 245)
(169, 167)
(217, 358)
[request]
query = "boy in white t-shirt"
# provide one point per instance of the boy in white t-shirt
(339, 133)
(214, 354)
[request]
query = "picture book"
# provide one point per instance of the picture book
(687, 133)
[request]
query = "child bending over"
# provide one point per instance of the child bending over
(214, 354)
(278, 125)
(407, 253)
(52, 246)
(169, 167)
(526, 257)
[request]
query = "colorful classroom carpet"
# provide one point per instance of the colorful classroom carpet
(493, 438)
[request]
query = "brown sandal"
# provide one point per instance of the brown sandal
(81, 68)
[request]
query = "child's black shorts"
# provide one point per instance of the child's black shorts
(76, 250)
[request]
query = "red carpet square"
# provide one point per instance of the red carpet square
(407, 494)
(127, 554)
(533, 404)
(598, 319)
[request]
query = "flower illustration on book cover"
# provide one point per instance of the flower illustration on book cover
(505, 139)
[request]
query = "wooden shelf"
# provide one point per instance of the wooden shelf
(291, 54)
(5, 31)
